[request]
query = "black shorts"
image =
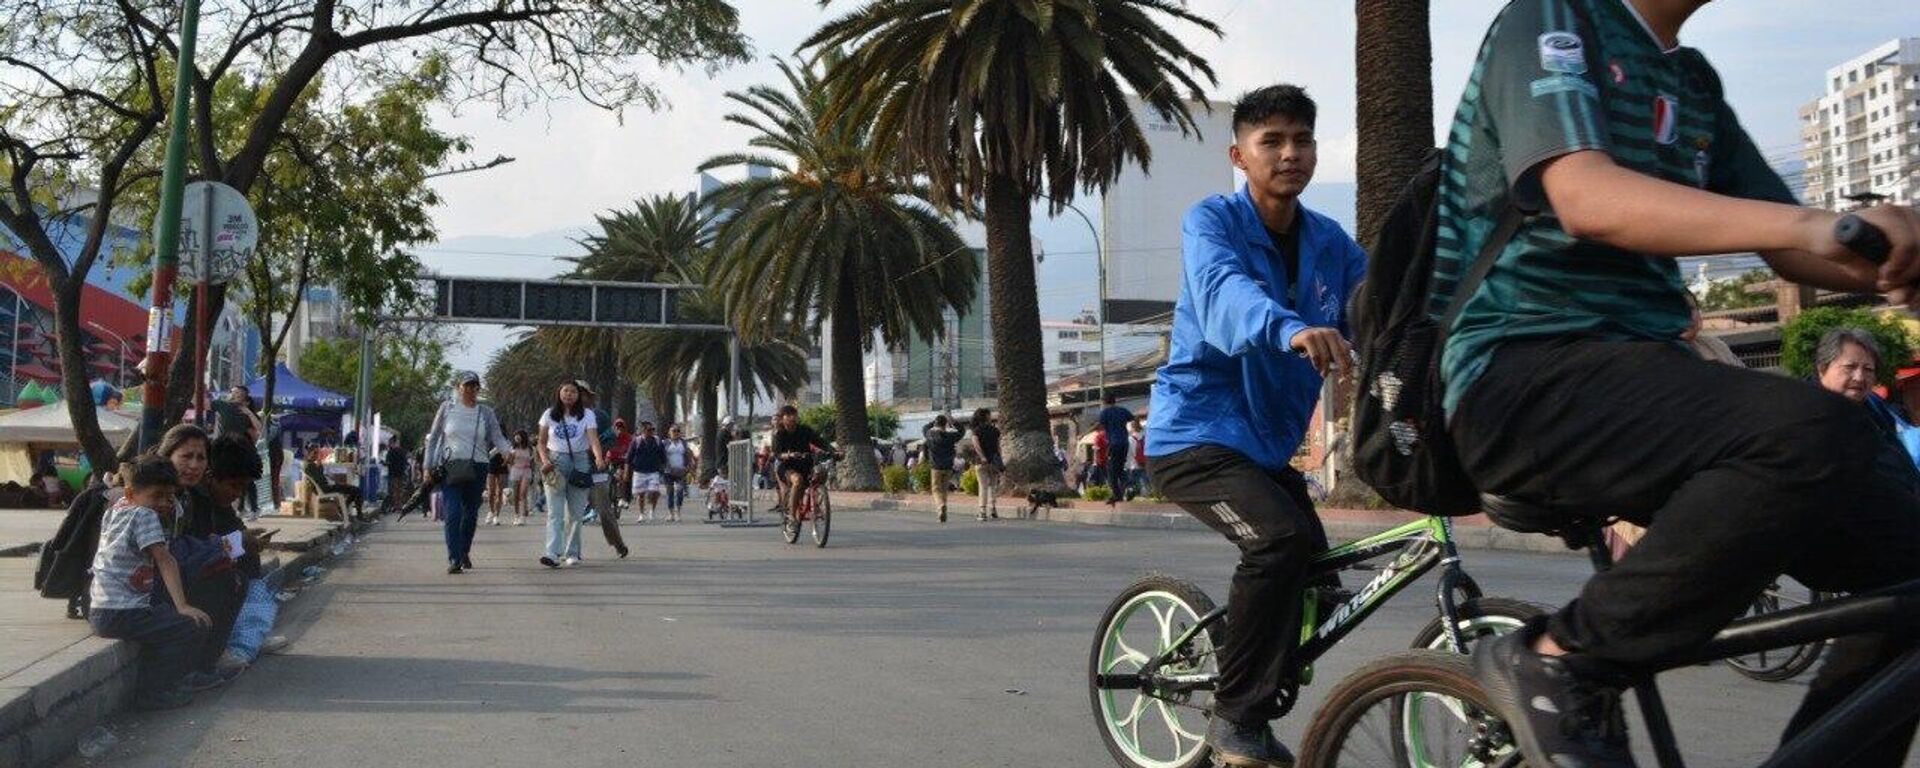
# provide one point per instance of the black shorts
(802, 466)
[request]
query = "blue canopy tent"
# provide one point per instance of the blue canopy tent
(292, 393)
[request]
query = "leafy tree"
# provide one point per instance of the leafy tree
(1006, 102)
(89, 84)
(410, 378)
(1800, 337)
(519, 382)
(836, 236)
(882, 422)
(1733, 293)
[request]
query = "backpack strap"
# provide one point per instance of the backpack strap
(1512, 217)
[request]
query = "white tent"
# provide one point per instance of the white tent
(50, 424)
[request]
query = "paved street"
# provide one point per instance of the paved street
(903, 643)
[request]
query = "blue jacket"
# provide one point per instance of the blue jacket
(1231, 377)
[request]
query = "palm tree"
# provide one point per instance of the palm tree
(1008, 102)
(637, 245)
(836, 236)
(1393, 109)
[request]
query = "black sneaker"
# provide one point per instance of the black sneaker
(548, 562)
(197, 681)
(1246, 746)
(1557, 717)
(466, 562)
(454, 567)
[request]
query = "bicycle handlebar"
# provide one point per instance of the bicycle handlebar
(1863, 238)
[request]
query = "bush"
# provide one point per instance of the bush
(893, 479)
(1800, 337)
(922, 476)
(883, 422)
(1099, 493)
(970, 482)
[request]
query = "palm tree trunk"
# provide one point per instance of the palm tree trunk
(860, 472)
(1393, 54)
(1014, 315)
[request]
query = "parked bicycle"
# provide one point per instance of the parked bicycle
(1153, 657)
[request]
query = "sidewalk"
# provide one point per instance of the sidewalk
(1472, 532)
(57, 680)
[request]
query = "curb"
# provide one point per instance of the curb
(1483, 537)
(47, 707)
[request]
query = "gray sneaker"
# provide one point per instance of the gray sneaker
(202, 681)
(1246, 746)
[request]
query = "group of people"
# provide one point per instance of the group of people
(159, 554)
(1569, 388)
(584, 468)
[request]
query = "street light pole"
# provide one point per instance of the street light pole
(1100, 249)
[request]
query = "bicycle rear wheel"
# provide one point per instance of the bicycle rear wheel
(822, 516)
(1420, 708)
(1781, 663)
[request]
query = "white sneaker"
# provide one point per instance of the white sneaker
(520, 521)
(570, 562)
(274, 644)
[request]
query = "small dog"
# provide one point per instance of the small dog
(1039, 498)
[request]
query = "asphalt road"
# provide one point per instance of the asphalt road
(902, 643)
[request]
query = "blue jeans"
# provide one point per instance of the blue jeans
(461, 504)
(167, 642)
(566, 505)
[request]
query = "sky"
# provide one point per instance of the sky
(573, 161)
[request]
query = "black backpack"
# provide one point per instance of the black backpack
(1401, 446)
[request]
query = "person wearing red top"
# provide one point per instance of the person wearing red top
(617, 456)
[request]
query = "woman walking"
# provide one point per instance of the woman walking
(519, 475)
(569, 454)
(465, 432)
(681, 464)
(986, 446)
(496, 486)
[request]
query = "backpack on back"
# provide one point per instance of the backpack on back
(1401, 447)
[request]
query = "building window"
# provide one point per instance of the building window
(1069, 358)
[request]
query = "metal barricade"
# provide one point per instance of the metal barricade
(745, 499)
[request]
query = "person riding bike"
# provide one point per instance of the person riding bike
(1265, 278)
(1568, 397)
(793, 447)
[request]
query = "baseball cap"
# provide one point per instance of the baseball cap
(583, 386)
(463, 377)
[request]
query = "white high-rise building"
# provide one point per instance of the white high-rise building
(1862, 136)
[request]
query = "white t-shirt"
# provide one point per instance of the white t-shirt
(676, 454)
(569, 435)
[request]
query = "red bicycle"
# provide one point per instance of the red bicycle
(815, 508)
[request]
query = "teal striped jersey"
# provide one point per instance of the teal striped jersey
(1536, 93)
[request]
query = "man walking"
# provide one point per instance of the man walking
(940, 438)
(1260, 320)
(1113, 427)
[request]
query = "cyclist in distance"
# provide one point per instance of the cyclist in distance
(793, 447)
(1568, 394)
(1260, 319)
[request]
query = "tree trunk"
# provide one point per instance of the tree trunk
(859, 472)
(1393, 54)
(79, 396)
(710, 446)
(1014, 315)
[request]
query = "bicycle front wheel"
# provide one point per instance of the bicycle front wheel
(790, 525)
(1142, 724)
(1418, 708)
(822, 517)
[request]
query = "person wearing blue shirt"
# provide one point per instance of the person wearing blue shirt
(1113, 422)
(1260, 319)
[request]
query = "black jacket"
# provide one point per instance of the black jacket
(66, 560)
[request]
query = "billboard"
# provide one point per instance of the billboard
(1140, 216)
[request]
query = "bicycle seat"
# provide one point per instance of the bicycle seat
(1578, 527)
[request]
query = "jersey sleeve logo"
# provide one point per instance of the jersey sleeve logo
(1666, 118)
(1562, 52)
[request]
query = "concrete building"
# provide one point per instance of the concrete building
(1140, 215)
(1862, 136)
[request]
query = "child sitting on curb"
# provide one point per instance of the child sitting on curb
(133, 546)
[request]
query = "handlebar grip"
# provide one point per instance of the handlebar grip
(1862, 238)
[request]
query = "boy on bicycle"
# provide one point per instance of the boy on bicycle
(1260, 319)
(793, 447)
(1568, 392)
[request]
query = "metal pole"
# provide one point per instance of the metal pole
(202, 334)
(1100, 251)
(166, 257)
(733, 373)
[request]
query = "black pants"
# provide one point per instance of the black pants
(1738, 475)
(1270, 517)
(220, 596)
(167, 642)
(1117, 474)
